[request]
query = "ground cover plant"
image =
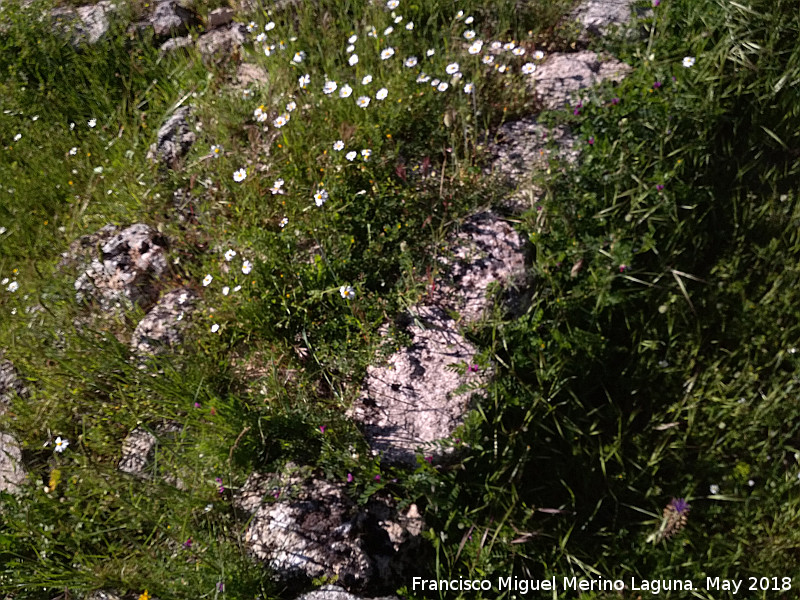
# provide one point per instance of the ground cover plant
(641, 420)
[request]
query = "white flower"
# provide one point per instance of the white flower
(714, 489)
(352, 39)
(320, 197)
(435, 82)
(214, 328)
(18, 137)
(347, 292)
(61, 444)
(229, 255)
(298, 57)
(469, 34)
(216, 150)
(468, 21)
(304, 80)
(382, 93)
(13, 286)
(251, 26)
(398, 20)
(423, 78)
(459, 14)
(496, 46)
(284, 222)
(353, 60)
(71, 126)
(73, 151)
(538, 55)
(392, 4)
(366, 80)
(487, 59)
(518, 51)
(206, 280)
(183, 298)
(226, 290)
(237, 288)
(502, 68)
(411, 61)
(239, 175)
(269, 26)
(278, 184)
(509, 46)
(247, 266)
(475, 47)
(363, 101)
(92, 122)
(345, 91)
(98, 170)
(410, 25)
(261, 37)
(373, 33)
(291, 106)
(388, 53)
(430, 52)
(528, 68)
(688, 61)
(351, 155)
(350, 48)
(280, 121)
(442, 87)
(468, 88)
(329, 87)
(388, 30)
(451, 68)
(366, 153)
(268, 49)
(339, 145)
(4, 281)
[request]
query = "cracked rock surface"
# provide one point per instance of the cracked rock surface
(334, 592)
(174, 140)
(314, 529)
(162, 327)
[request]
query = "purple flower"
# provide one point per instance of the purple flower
(220, 586)
(656, 3)
(377, 477)
(188, 543)
(197, 405)
(660, 187)
(429, 459)
(591, 140)
(657, 84)
(349, 478)
(615, 101)
(623, 268)
(474, 368)
(322, 428)
(680, 505)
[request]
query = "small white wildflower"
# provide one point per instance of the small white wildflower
(363, 101)
(509, 46)
(229, 254)
(469, 34)
(487, 59)
(352, 39)
(284, 222)
(367, 79)
(251, 26)
(430, 52)
(688, 61)
(388, 30)
(183, 298)
(350, 48)
(320, 197)
(304, 80)
(61, 444)
(528, 68)
(338, 145)
(261, 37)
(518, 51)
(98, 170)
(351, 155)
(373, 33)
(714, 489)
(92, 122)
(411, 61)
(226, 290)
(459, 14)
(538, 55)
(382, 93)
(392, 4)
(329, 87)
(410, 25)
(18, 137)
(13, 287)
(423, 78)
(398, 20)
(468, 21)
(214, 328)
(451, 68)
(475, 47)
(347, 292)
(291, 106)
(206, 280)
(442, 86)
(247, 266)
(269, 26)
(468, 88)
(216, 150)
(298, 57)
(280, 121)
(73, 151)
(366, 153)
(353, 60)
(387, 53)
(237, 288)
(239, 175)
(496, 45)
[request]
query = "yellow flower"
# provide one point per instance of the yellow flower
(144, 596)
(55, 477)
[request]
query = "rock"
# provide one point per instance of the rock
(12, 473)
(10, 384)
(174, 139)
(597, 16)
(220, 17)
(127, 269)
(171, 19)
(86, 23)
(162, 327)
(223, 42)
(173, 44)
(563, 74)
(523, 146)
(419, 397)
(248, 74)
(103, 595)
(139, 450)
(314, 529)
(334, 592)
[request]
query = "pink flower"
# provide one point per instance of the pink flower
(429, 459)
(197, 405)
(322, 428)
(349, 478)
(377, 477)
(188, 543)
(623, 268)
(591, 141)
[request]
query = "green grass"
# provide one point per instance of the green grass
(665, 366)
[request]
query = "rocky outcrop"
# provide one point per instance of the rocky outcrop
(162, 327)
(223, 42)
(12, 472)
(126, 269)
(174, 140)
(86, 24)
(312, 528)
(420, 395)
(334, 592)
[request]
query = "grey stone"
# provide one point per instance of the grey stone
(12, 472)
(126, 270)
(171, 19)
(314, 529)
(139, 450)
(562, 75)
(87, 23)
(162, 327)
(248, 74)
(10, 384)
(174, 140)
(103, 595)
(597, 16)
(222, 42)
(417, 399)
(176, 43)
(220, 16)
(334, 592)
